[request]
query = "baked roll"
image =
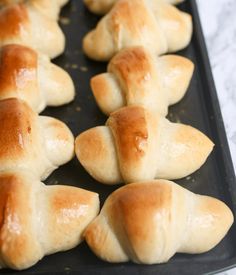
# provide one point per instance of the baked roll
(137, 77)
(101, 7)
(37, 220)
(137, 145)
(42, 83)
(24, 24)
(50, 8)
(158, 26)
(149, 222)
(29, 142)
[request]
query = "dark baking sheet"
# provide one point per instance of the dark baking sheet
(199, 108)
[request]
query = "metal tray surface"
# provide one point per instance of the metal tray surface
(199, 108)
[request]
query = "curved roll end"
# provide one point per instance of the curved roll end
(99, 7)
(89, 46)
(98, 44)
(178, 27)
(53, 42)
(194, 146)
(95, 150)
(107, 93)
(19, 246)
(183, 222)
(210, 221)
(184, 150)
(71, 210)
(59, 141)
(177, 73)
(57, 86)
(187, 29)
(49, 8)
(103, 241)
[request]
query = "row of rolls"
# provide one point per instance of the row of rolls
(150, 218)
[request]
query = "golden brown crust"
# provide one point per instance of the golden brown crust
(16, 131)
(139, 23)
(103, 6)
(148, 222)
(65, 197)
(130, 132)
(17, 242)
(91, 139)
(30, 76)
(135, 61)
(129, 16)
(126, 202)
(12, 20)
(96, 151)
(100, 87)
(18, 69)
(145, 145)
(28, 208)
(23, 24)
(136, 76)
(30, 142)
(69, 209)
(133, 68)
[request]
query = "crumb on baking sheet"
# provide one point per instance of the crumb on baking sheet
(64, 20)
(188, 178)
(177, 120)
(78, 109)
(83, 69)
(67, 66)
(67, 269)
(74, 66)
(73, 8)
(55, 182)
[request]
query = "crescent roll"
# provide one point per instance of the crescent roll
(41, 84)
(149, 222)
(101, 7)
(29, 142)
(49, 8)
(37, 220)
(137, 77)
(137, 145)
(158, 26)
(24, 24)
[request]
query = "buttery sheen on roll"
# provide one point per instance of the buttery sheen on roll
(137, 77)
(149, 222)
(103, 6)
(42, 83)
(158, 26)
(24, 24)
(50, 8)
(137, 145)
(38, 220)
(28, 142)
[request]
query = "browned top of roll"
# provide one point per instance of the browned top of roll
(129, 128)
(16, 236)
(17, 128)
(18, 69)
(11, 20)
